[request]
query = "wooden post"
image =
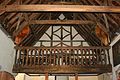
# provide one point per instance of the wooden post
(34, 56)
(58, 57)
(54, 58)
(23, 57)
(27, 56)
(16, 57)
(76, 76)
(70, 56)
(108, 56)
(89, 57)
(74, 57)
(50, 56)
(39, 51)
(105, 57)
(31, 57)
(46, 76)
(42, 56)
(81, 56)
(66, 61)
(46, 62)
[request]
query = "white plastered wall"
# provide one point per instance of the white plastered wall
(26, 77)
(85, 78)
(6, 52)
(45, 37)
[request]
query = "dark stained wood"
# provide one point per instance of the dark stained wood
(61, 22)
(116, 53)
(62, 69)
(68, 60)
(59, 8)
(51, 37)
(11, 20)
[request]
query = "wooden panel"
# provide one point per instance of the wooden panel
(62, 69)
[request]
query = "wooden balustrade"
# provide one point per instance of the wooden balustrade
(83, 56)
(62, 56)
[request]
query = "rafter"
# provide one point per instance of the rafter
(2, 12)
(90, 35)
(32, 16)
(38, 31)
(59, 8)
(85, 32)
(112, 21)
(11, 19)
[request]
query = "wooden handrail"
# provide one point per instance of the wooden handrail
(75, 47)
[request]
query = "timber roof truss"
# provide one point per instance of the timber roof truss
(39, 15)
